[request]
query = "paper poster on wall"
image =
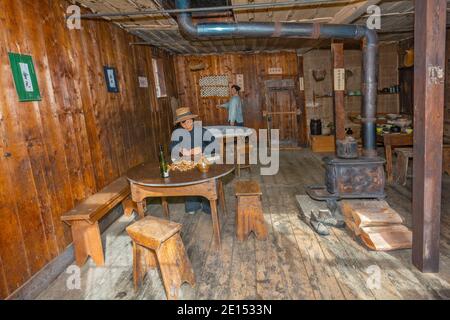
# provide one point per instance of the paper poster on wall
(111, 79)
(240, 81)
(339, 79)
(301, 83)
(143, 82)
(24, 75)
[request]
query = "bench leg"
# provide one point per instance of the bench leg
(87, 242)
(175, 266)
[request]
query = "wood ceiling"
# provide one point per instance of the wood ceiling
(161, 30)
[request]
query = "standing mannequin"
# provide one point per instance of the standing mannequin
(234, 107)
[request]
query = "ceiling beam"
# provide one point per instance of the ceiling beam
(295, 3)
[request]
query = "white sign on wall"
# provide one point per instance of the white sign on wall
(339, 79)
(143, 82)
(240, 81)
(275, 70)
(301, 83)
(26, 76)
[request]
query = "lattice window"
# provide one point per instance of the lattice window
(214, 86)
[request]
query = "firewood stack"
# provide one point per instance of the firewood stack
(379, 226)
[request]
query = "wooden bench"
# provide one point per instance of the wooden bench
(84, 218)
(249, 213)
(157, 242)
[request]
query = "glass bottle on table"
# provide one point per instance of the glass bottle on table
(163, 165)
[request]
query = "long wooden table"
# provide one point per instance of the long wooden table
(390, 141)
(145, 181)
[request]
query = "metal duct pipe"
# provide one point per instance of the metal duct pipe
(308, 31)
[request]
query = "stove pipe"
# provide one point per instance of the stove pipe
(214, 30)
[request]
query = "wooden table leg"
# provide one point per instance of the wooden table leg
(388, 150)
(222, 197)
(165, 207)
(215, 221)
(141, 206)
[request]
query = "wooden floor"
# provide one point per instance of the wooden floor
(294, 263)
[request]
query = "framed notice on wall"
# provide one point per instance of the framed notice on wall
(111, 79)
(24, 76)
(240, 81)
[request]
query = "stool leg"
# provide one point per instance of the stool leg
(175, 266)
(260, 227)
(87, 242)
(143, 260)
(241, 230)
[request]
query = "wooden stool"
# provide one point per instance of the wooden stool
(249, 213)
(245, 151)
(158, 242)
(403, 155)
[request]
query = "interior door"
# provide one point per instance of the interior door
(282, 111)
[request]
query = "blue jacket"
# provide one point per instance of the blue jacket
(234, 107)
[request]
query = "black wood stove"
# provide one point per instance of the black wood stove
(348, 176)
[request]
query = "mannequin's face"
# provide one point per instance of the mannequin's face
(188, 124)
(234, 91)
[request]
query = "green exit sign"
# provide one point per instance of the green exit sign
(25, 78)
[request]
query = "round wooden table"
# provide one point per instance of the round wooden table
(145, 181)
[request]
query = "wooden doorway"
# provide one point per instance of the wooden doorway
(282, 111)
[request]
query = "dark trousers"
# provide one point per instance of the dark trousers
(197, 203)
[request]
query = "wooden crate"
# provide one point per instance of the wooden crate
(322, 143)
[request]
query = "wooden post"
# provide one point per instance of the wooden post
(301, 118)
(337, 53)
(429, 63)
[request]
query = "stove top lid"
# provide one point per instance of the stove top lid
(358, 161)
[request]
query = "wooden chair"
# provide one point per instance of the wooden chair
(83, 219)
(249, 213)
(390, 142)
(403, 156)
(158, 242)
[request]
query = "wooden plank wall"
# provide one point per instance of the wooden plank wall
(322, 107)
(56, 152)
(255, 69)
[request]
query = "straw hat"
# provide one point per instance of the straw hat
(182, 114)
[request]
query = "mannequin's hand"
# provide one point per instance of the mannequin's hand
(196, 150)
